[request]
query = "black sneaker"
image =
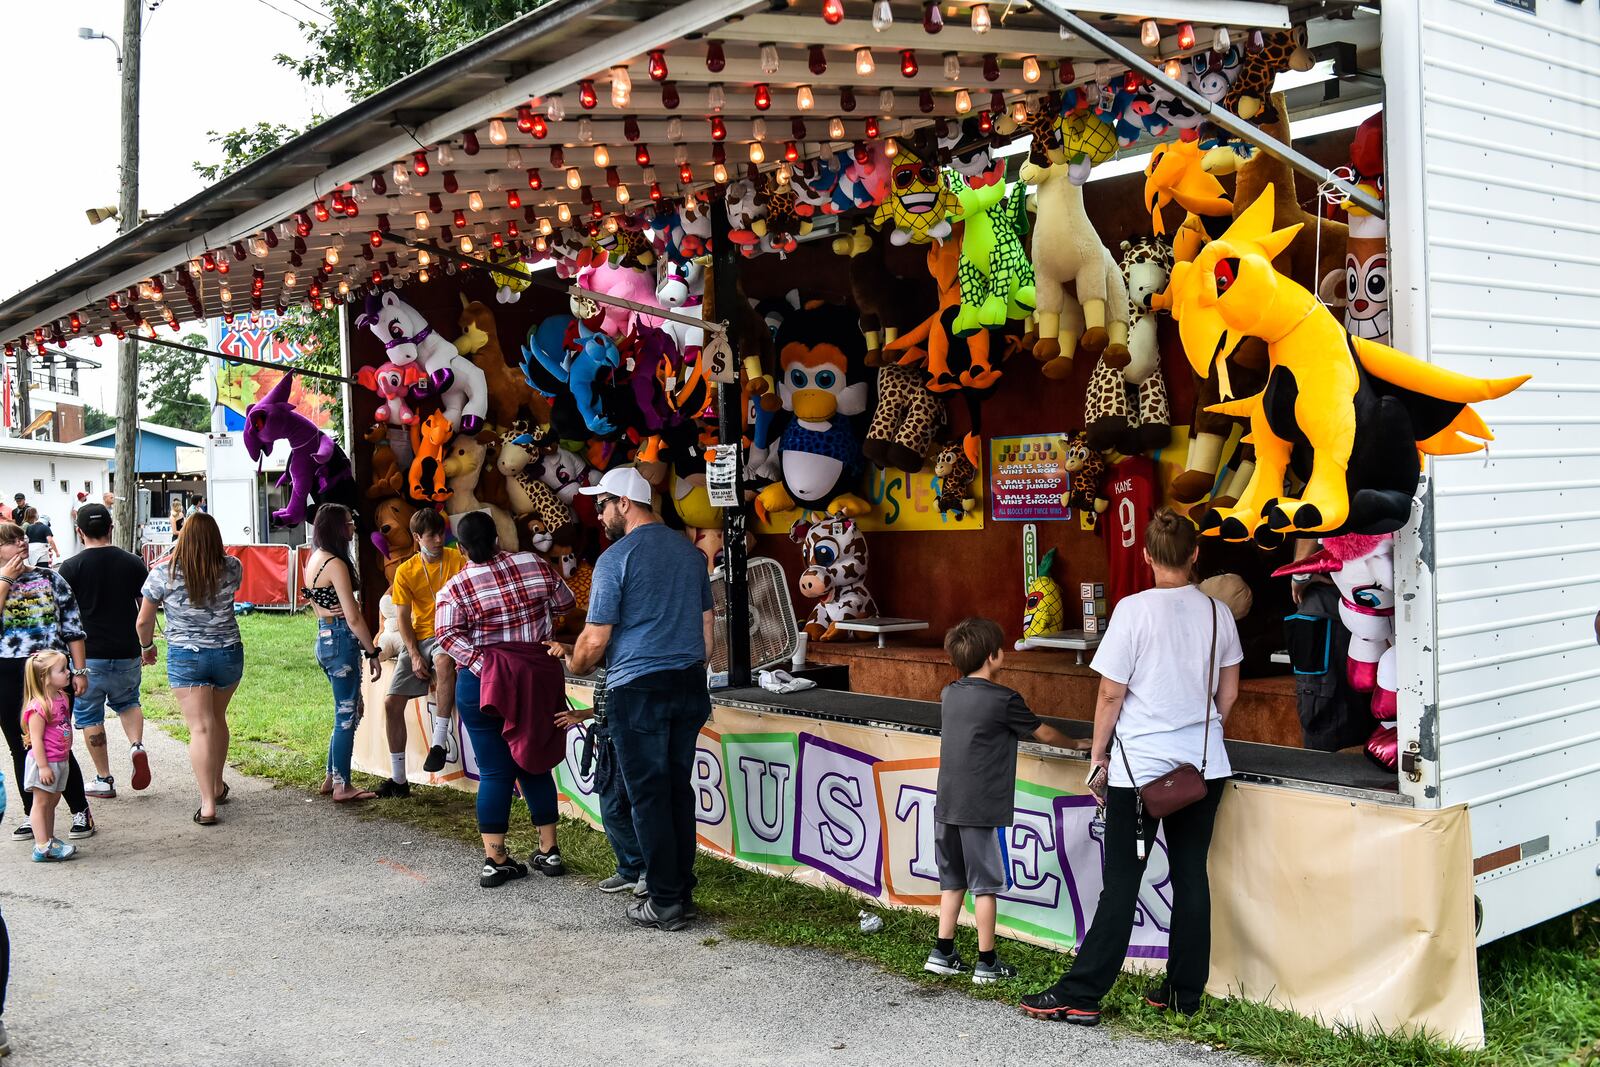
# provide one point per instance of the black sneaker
(644, 913)
(82, 826)
(494, 874)
(23, 831)
(550, 863)
(944, 962)
(393, 789)
(436, 759)
(691, 910)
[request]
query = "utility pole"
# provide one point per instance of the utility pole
(128, 349)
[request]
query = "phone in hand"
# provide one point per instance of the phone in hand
(1097, 782)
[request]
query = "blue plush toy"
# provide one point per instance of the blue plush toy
(561, 351)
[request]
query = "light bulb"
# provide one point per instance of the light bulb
(611, 225)
(1030, 69)
(331, 257)
(289, 279)
(423, 258)
(445, 156)
(1185, 37)
(715, 98)
(783, 174)
(513, 199)
(258, 247)
(401, 175)
(675, 129)
(466, 245)
(1222, 42)
(1174, 68)
(791, 151)
(545, 228)
(886, 101)
(623, 196)
(419, 220)
(763, 97)
(836, 129)
(554, 110)
(574, 179)
(641, 155)
(804, 99)
(925, 101)
(514, 159)
(658, 65)
(497, 132)
(621, 87)
(908, 63)
(344, 287)
(758, 129)
(585, 130)
(459, 219)
(719, 174)
(758, 154)
(563, 213)
(716, 60)
(847, 98)
(1019, 112)
(719, 129)
(602, 158)
(882, 15)
(474, 201)
(833, 12)
(769, 58)
(864, 64)
(963, 101)
(1149, 33)
(422, 276)
(870, 127)
(225, 294)
(492, 182)
(982, 21)
(586, 95)
(891, 148)
(952, 67)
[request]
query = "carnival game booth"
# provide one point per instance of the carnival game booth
(915, 310)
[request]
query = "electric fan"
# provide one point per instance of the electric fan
(773, 633)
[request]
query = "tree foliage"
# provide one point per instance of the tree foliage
(243, 145)
(166, 385)
(95, 420)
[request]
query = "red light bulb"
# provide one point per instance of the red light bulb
(1065, 73)
(791, 151)
(833, 12)
(74, 322)
(496, 241)
(535, 181)
(797, 128)
(685, 173)
(655, 191)
(985, 123)
(630, 128)
(208, 261)
(925, 101)
(871, 128)
(375, 238)
(450, 184)
(469, 142)
(222, 267)
(379, 186)
(763, 99)
(991, 67)
(586, 95)
(715, 60)
(525, 118)
(320, 210)
(377, 277)
(641, 155)
(908, 63)
(997, 102)
(98, 342)
(658, 65)
(459, 219)
(817, 60)
(558, 158)
(511, 228)
(540, 127)
(435, 205)
(1185, 37)
(862, 155)
(613, 179)
(719, 154)
(847, 99)
(719, 131)
(669, 95)
(419, 164)
(932, 19)
(513, 199)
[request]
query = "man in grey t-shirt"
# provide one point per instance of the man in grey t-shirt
(650, 617)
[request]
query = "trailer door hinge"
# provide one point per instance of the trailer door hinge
(1411, 762)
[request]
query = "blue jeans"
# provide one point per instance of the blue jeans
(339, 654)
(616, 814)
(189, 667)
(655, 723)
(497, 771)
(111, 681)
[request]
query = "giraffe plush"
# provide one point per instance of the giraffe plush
(956, 467)
(905, 420)
(1088, 470)
(1141, 421)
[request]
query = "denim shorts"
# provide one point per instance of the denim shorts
(111, 681)
(218, 668)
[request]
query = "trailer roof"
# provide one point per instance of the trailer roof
(535, 68)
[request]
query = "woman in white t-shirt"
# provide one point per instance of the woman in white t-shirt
(1160, 706)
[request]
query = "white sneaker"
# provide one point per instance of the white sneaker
(101, 788)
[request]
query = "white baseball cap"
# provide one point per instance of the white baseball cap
(622, 482)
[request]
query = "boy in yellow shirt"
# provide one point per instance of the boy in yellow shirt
(417, 582)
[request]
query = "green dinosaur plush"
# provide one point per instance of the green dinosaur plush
(996, 276)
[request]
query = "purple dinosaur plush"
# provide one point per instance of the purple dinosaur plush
(318, 469)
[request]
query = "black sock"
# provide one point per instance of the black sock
(947, 945)
(988, 957)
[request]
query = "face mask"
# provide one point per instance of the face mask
(429, 556)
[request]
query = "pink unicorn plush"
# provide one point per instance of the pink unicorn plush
(391, 382)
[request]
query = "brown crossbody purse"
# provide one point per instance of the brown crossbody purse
(1184, 784)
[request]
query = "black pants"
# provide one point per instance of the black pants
(11, 677)
(1104, 947)
(655, 723)
(5, 962)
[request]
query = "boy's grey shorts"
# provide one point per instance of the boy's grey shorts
(973, 858)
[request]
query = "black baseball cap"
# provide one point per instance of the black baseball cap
(94, 519)
(20, 497)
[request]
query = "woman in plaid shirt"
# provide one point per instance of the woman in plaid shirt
(493, 619)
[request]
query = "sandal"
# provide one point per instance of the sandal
(327, 787)
(204, 820)
(365, 794)
(222, 797)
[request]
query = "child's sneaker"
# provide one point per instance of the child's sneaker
(944, 962)
(998, 971)
(55, 852)
(82, 826)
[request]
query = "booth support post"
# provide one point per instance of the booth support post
(730, 434)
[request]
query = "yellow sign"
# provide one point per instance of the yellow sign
(900, 502)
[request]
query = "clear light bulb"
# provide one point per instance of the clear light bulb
(422, 276)
(675, 128)
(611, 224)
(758, 154)
(1030, 69)
(886, 101)
(445, 155)
(258, 247)
(545, 228)
(1222, 42)
(331, 257)
(836, 129)
(492, 182)
(715, 97)
(585, 129)
(719, 174)
(344, 287)
(769, 58)
(574, 179)
(419, 220)
(758, 129)
(497, 132)
(514, 160)
(466, 245)
(891, 148)
(423, 258)
(804, 99)
(225, 294)
(1174, 68)
(289, 278)
(563, 213)
(602, 158)
(401, 175)
(952, 67)
(621, 87)
(882, 15)
(1149, 33)
(963, 101)
(623, 196)
(864, 63)
(474, 201)
(982, 21)
(555, 109)
(783, 174)
(1019, 112)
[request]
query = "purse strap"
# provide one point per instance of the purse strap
(1210, 688)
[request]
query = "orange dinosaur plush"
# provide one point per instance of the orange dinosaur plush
(937, 344)
(428, 441)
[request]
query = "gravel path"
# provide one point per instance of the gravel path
(297, 933)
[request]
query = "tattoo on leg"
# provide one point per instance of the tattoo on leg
(95, 740)
(497, 853)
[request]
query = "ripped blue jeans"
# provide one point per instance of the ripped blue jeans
(339, 654)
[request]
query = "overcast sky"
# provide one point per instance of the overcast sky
(206, 65)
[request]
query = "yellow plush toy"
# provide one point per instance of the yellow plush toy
(1348, 416)
(1046, 609)
(920, 204)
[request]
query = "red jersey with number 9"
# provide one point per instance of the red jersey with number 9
(1131, 490)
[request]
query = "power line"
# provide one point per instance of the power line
(314, 11)
(296, 19)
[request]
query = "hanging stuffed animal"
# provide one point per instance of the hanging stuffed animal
(1044, 609)
(318, 471)
(996, 278)
(629, 283)
(387, 475)
(1211, 74)
(562, 352)
(565, 472)
(907, 418)
(864, 181)
(392, 383)
(744, 211)
(1362, 568)
(920, 203)
(888, 303)
(1143, 422)
(1067, 251)
(1366, 288)
(509, 392)
(509, 286)
(781, 224)
(391, 534)
(931, 340)
(1086, 140)
(1249, 96)
(1357, 447)
(463, 469)
(834, 551)
(956, 467)
(428, 442)
(529, 496)
(407, 338)
(1086, 491)
(819, 453)
(626, 248)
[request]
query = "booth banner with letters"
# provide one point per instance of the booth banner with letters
(1382, 935)
(900, 501)
(1028, 479)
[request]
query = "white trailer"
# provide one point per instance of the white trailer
(1493, 127)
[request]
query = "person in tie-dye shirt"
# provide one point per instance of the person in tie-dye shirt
(37, 612)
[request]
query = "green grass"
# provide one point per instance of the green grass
(1540, 989)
